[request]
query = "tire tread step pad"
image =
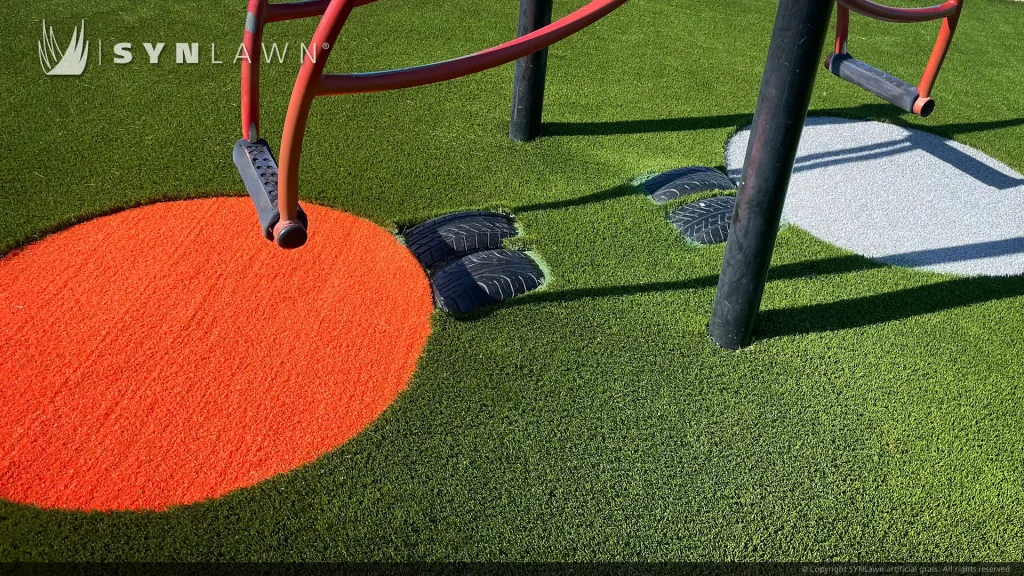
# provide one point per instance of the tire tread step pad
(484, 278)
(673, 184)
(705, 221)
(452, 236)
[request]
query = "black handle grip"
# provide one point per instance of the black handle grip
(258, 168)
(885, 86)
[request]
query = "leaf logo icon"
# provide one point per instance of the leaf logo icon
(70, 62)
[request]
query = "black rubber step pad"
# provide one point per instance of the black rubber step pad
(484, 278)
(455, 235)
(673, 184)
(705, 221)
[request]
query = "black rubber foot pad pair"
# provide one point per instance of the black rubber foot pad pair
(674, 184)
(705, 221)
(452, 236)
(472, 270)
(484, 278)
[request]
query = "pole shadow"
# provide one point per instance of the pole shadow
(944, 152)
(888, 307)
(915, 140)
(805, 269)
(689, 123)
(810, 319)
(619, 191)
(648, 126)
(963, 253)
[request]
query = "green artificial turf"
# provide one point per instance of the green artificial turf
(878, 416)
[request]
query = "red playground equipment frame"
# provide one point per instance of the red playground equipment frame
(277, 200)
(274, 191)
(917, 100)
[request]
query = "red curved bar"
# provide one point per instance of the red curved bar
(305, 9)
(938, 56)
(261, 12)
(253, 41)
(301, 101)
(335, 84)
(891, 14)
(312, 82)
(949, 13)
(293, 10)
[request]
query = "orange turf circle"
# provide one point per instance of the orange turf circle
(169, 354)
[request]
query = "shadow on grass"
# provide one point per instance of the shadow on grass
(800, 320)
(649, 126)
(608, 194)
(808, 269)
(842, 315)
(860, 112)
(888, 307)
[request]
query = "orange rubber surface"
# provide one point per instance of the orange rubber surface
(169, 354)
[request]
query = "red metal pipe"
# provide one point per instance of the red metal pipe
(312, 82)
(294, 10)
(306, 9)
(842, 29)
(259, 13)
(250, 68)
(931, 72)
(335, 84)
(949, 12)
(891, 14)
(252, 41)
(298, 110)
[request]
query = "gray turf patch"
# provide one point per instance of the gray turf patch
(903, 197)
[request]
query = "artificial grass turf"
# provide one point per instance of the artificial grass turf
(878, 416)
(163, 355)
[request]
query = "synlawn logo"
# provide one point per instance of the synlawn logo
(70, 62)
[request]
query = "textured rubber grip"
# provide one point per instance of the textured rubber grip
(885, 86)
(258, 168)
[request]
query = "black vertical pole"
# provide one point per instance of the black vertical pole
(794, 56)
(528, 89)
